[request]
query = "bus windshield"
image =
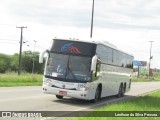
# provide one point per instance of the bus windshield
(69, 68)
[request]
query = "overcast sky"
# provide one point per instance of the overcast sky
(128, 24)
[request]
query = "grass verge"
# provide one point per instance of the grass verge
(145, 79)
(150, 102)
(7, 80)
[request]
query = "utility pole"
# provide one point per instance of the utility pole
(20, 51)
(33, 56)
(92, 19)
(150, 57)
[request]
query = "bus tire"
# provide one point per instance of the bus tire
(97, 95)
(120, 90)
(59, 96)
(123, 90)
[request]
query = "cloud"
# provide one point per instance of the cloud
(129, 24)
(114, 14)
(57, 12)
(127, 14)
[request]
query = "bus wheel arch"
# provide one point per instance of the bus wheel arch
(97, 93)
(124, 87)
(100, 86)
(129, 84)
(120, 90)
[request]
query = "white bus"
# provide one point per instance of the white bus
(86, 70)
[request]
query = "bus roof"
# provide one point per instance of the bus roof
(78, 40)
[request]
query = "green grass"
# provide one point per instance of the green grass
(144, 78)
(10, 79)
(149, 102)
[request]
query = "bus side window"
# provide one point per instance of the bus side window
(96, 74)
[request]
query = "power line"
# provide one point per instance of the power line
(9, 42)
(37, 46)
(8, 24)
(40, 47)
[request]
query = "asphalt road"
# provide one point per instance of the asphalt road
(32, 98)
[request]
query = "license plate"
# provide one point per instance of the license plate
(63, 92)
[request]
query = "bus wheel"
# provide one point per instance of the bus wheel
(120, 91)
(123, 90)
(59, 96)
(97, 95)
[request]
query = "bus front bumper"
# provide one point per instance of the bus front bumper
(70, 93)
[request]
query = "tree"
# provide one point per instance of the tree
(27, 58)
(38, 67)
(11, 62)
(14, 62)
(4, 63)
(27, 62)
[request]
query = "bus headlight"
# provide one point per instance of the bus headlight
(47, 82)
(83, 89)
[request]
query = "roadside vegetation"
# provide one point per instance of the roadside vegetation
(29, 79)
(9, 63)
(25, 79)
(149, 102)
(9, 69)
(145, 78)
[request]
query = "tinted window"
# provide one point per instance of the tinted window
(68, 68)
(114, 57)
(105, 54)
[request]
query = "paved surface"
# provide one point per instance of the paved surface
(32, 99)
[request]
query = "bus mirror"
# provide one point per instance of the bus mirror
(94, 62)
(42, 55)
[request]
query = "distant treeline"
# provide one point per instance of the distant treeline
(10, 62)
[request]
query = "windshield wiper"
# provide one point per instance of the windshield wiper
(49, 76)
(69, 69)
(71, 73)
(55, 78)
